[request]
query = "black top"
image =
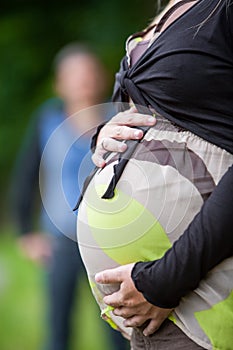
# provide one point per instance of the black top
(187, 73)
(187, 76)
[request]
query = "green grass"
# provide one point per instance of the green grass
(23, 305)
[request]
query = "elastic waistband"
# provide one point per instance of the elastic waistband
(163, 123)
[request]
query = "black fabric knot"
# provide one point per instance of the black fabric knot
(128, 88)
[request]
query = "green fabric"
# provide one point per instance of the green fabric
(125, 230)
(217, 323)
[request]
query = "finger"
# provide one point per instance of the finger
(133, 119)
(152, 327)
(110, 145)
(107, 145)
(126, 133)
(115, 300)
(109, 276)
(135, 321)
(98, 156)
(122, 299)
(98, 161)
(124, 312)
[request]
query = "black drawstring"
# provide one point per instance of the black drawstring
(85, 185)
(119, 167)
(118, 170)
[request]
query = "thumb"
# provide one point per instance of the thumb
(109, 276)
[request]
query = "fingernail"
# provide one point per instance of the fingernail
(101, 163)
(105, 300)
(122, 147)
(151, 120)
(137, 134)
(98, 277)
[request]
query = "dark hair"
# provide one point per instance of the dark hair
(211, 14)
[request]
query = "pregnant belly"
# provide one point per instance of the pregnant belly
(161, 189)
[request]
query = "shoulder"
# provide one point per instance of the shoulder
(51, 109)
(53, 104)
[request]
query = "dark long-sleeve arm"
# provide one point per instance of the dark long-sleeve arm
(207, 241)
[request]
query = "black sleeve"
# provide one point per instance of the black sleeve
(207, 241)
(25, 183)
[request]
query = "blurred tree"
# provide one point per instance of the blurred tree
(31, 32)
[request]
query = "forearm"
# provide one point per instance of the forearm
(207, 241)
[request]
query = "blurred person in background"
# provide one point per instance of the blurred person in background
(57, 142)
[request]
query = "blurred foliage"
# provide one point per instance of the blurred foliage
(22, 299)
(23, 306)
(31, 32)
